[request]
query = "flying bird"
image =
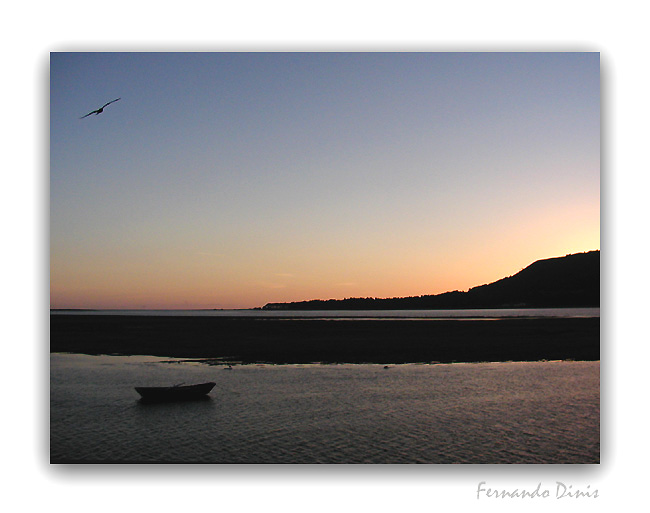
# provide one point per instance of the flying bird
(100, 110)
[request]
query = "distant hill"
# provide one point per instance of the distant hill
(569, 281)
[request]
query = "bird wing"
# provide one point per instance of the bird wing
(93, 112)
(112, 101)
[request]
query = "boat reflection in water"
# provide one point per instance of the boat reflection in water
(175, 393)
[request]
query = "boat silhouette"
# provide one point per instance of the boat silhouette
(175, 393)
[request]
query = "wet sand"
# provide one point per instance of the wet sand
(282, 341)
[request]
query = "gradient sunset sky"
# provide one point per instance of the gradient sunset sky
(230, 180)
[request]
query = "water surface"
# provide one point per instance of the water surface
(529, 412)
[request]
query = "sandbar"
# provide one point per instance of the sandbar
(294, 341)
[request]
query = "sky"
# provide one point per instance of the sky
(231, 180)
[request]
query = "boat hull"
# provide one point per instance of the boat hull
(177, 393)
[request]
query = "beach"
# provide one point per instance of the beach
(292, 341)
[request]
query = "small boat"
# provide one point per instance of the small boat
(176, 393)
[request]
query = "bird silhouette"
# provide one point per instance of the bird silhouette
(100, 110)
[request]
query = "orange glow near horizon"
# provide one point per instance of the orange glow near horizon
(204, 292)
(392, 265)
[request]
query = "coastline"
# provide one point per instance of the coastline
(291, 341)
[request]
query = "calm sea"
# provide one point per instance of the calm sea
(536, 412)
(488, 313)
